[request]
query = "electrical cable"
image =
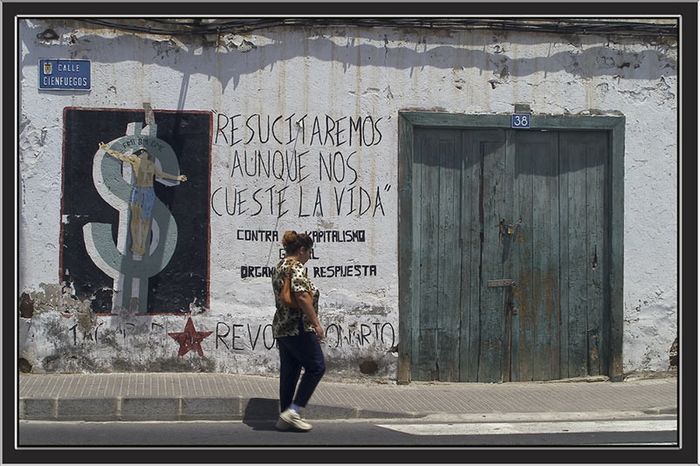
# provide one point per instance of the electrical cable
(171, 26)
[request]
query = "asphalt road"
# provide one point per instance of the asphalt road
(344, 433)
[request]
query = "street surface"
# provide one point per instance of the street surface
(653, 431)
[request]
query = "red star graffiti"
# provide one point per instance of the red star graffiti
(189, 339)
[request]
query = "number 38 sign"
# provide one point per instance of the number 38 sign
(520, 120)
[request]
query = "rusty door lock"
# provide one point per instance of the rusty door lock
(507, 229)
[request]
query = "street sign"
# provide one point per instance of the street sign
(64, 75)
(520, 120)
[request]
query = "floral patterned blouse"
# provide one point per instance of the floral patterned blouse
(286, 320)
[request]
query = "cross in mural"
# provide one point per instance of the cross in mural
(131, 192)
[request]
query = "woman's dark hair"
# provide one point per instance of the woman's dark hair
(292, 241)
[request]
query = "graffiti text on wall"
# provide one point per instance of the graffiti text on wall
(327, 271)
(322, 174)
(239, 337)
(286, 130)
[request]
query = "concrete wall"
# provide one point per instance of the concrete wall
(332, 97)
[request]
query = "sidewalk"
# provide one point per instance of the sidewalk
(200, 396)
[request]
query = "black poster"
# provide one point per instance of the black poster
(134, 230)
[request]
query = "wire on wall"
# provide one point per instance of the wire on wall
(200, 26)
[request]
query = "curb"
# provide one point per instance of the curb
(662, 410)
(180, 409)
(558, 416)
(134, 409)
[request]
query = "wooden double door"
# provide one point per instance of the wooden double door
(510, 248)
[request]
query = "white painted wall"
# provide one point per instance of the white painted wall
(339, 72)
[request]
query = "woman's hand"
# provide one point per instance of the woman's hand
(306, 305)
(318, 330)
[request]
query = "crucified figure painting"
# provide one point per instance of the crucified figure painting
(142, 195)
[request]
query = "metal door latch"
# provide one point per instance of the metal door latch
(500, 283)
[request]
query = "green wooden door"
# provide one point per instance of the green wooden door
(510, 246)
(437, 193)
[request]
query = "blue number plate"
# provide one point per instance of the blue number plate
(520, 120)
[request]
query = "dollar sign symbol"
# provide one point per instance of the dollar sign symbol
(131, 272)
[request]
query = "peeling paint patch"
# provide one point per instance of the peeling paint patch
(58, 298)
(164, 47)
(237, 42)
(649, 332)
(47, 35)
(174, 364)
(369, 366)
(673, 354)
(24, 366)
(26, 306)
(368, 309)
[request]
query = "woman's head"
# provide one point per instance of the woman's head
(297, 244)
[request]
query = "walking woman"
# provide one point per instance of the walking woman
(298, 333)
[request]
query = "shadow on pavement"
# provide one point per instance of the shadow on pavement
(261, 413)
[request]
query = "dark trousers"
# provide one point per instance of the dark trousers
(303, 350)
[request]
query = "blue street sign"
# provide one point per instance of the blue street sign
(64, 75)
(520, 120)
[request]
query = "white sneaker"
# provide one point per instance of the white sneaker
(293, 419)
(281, 425)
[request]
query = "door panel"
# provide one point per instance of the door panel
(428, 272)
(572, 238)
(494, 207)
(449, 259)
(471, 258)
(501, 204)
(420, 148)
(536, 170)
(584, 178)
(597, 250)
(440, 165)
(522, 257)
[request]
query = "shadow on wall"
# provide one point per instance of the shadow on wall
(488, 52)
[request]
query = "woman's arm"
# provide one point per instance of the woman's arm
(306, 304)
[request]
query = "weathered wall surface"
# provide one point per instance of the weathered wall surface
(300, 132)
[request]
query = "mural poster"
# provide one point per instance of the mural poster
(135, 216)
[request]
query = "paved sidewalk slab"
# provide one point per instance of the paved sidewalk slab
(199, 396)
